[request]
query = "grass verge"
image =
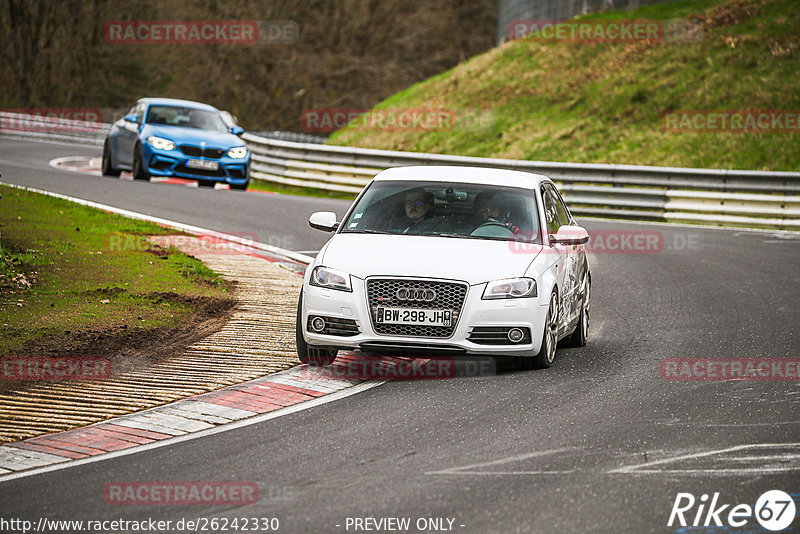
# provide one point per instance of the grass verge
(71, 285)
(603, 102)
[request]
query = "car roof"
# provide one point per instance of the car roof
(178, 102)
(469, 175)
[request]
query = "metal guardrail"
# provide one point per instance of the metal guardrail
(295, 137)
(724, 197)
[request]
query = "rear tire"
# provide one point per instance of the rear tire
(139, 173)
(106, 167)
(309, 354)
(581, 334)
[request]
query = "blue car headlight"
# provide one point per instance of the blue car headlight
(160, 143)
(238, 152)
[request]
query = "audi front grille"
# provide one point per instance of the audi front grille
(449, 296)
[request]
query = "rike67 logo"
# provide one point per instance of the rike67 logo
(774, 511)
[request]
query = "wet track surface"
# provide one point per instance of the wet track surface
(598, 443)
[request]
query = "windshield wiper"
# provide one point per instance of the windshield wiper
(367, 232)
(445, 234)
(463, 236)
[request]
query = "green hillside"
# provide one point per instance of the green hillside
(604, 102)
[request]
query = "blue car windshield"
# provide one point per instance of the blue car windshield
(186, 117)
(457, 210)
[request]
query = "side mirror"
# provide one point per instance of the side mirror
(323, 220)
(133, 117)
(570, 235)
(237, 130)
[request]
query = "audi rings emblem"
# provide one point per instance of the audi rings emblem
(415, 295)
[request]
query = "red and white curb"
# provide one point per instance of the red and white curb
(232, 407)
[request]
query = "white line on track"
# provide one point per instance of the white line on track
(470, 469)
(648, 468)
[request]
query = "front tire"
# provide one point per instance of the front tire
(139, 172)
(240, 187)
(106, 167)
(308, 354)
(547, 352)
(206, 183)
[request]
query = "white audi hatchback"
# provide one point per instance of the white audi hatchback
(432, 261)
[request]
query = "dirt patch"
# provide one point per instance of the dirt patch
(128, 348)
(733, 12)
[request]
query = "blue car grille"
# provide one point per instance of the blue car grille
(197, 152)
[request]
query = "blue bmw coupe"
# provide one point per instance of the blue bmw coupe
(180, 138)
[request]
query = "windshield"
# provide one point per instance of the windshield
(447, 210)
(186, 117)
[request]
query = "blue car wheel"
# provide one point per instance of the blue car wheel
(139, 172)
(107, 167)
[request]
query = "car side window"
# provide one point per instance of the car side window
(550, 210)
(139, 110)
(562, 212)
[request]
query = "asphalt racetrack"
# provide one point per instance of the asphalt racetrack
(600, 442)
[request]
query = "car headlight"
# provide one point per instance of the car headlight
(160, 143)
(238, 152)
(510, 288)
(330, 278)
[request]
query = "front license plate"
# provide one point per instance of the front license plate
(414, 317)
(203, 164)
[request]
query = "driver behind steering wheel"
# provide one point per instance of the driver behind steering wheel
(497, 210)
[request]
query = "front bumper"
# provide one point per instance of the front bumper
(523, 313)
(173, 163)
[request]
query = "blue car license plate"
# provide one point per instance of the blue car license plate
(203, 164)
